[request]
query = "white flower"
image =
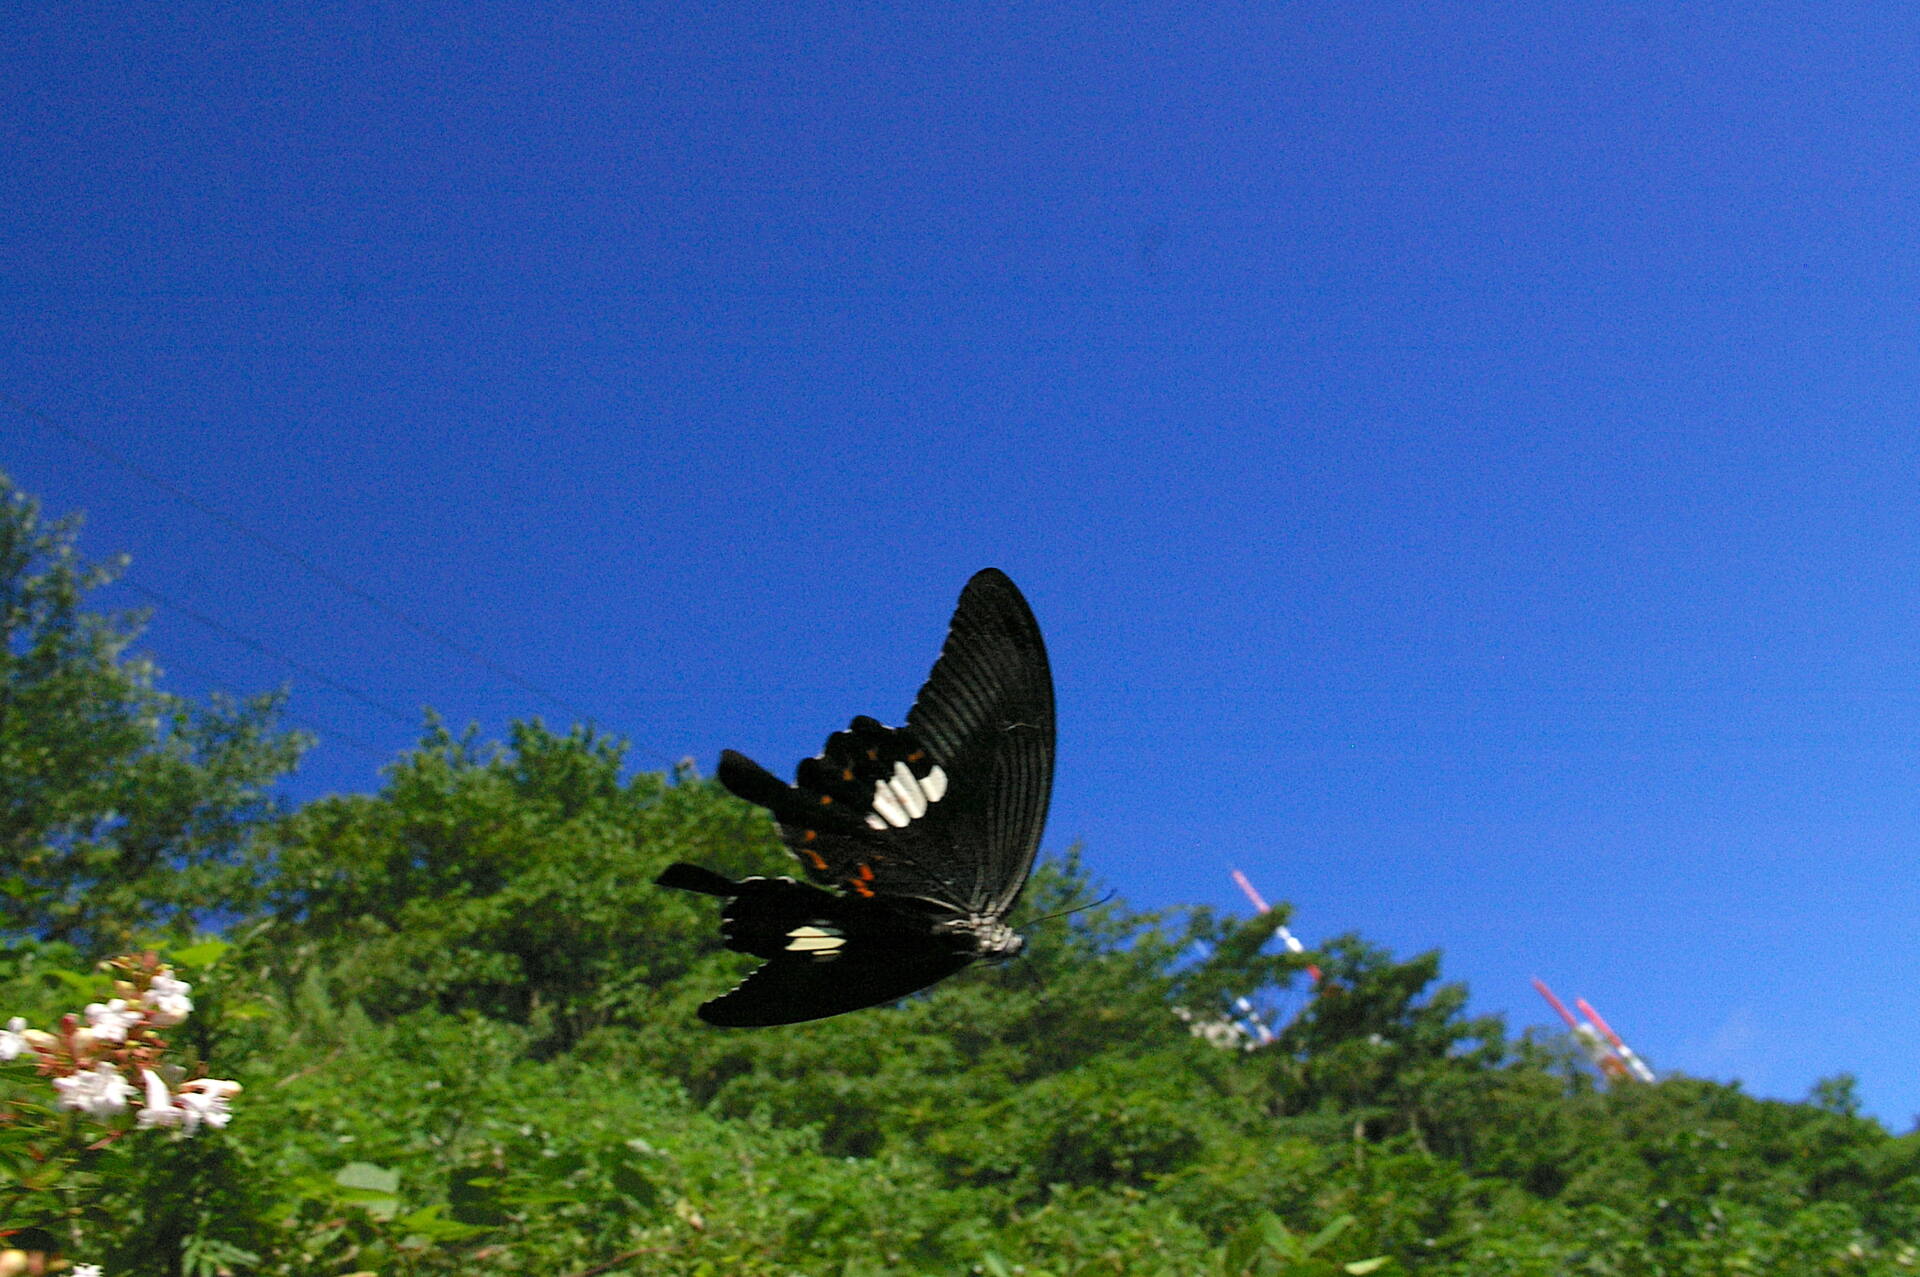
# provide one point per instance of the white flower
(205, 1100)
(99, 1094)
(160, 1109)
(200, 1102)
(109, 1021)
(167, 1000)
(14, 1040)
(86, 1270)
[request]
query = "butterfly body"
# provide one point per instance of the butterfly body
(917, 839)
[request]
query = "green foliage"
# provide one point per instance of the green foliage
(463, 1017)
(464, 1024)
(513, 882)
(1267, 1248)
(121, 807)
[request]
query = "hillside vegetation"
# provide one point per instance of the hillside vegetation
(463, 1019)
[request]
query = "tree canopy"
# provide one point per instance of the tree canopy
(463, 1020)
(122, 807)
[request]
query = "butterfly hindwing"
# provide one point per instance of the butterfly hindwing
(791, 991)
(825, 953)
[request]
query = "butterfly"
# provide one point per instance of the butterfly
(917, 839)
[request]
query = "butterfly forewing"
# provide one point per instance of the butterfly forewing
(986, 714)
(948, 809)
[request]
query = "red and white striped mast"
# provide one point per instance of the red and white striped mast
(1635, 1066)
(1597, 1040)
(1287, 938)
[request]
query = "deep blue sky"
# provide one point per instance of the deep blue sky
(1463, 456)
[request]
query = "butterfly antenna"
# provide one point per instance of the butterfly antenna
(1067, 913)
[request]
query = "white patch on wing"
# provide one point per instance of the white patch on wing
(885, 803)
(907, 790)
(818, 941)
(934, 785)
(874, 822)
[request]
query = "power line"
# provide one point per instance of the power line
(255, 645)
(322, 735)
(338, 582)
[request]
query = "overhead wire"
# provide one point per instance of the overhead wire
(323, 735)
(254, 645)
(334, 579)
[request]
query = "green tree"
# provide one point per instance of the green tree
(122, 807)
(514, 882)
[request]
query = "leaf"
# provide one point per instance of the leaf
(1242, 1249)
(633, 1185)
(83, 985)
(476, 1198)
(1360, 1266)
(427, 1224)
(247, 1011)
(372, 1188)
(210, 1257)
(204, 954)
(38, 1177)
(1339, 1225)
(367, 1175)
(1281, 1241)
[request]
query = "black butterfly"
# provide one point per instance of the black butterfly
(927, 831)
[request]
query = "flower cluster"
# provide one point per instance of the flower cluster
(1218, 1031)
(97, 1065)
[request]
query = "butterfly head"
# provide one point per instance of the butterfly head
(1001, 943)
(986, 937)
